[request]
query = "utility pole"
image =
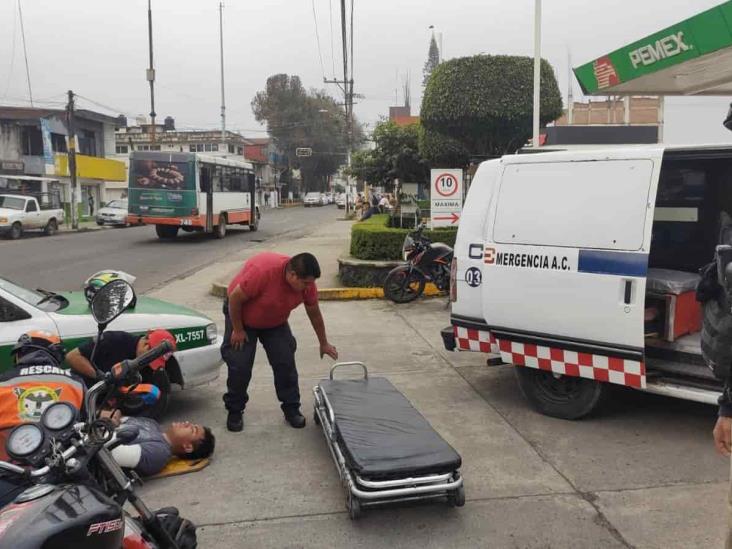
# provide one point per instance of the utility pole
(537, 72)
(347, 85)
(151, 71)
(72, 158)
(223, 102)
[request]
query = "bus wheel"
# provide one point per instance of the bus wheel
(255, 224)
(220, 231)
(166, 232)
(556, 395)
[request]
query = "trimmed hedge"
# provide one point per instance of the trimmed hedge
(373, 239)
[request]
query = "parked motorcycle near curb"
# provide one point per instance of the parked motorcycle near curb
(426, 262)
(77, 491)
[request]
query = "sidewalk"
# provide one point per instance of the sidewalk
(84, 226)
(327, 243)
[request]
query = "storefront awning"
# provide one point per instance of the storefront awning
(693, 57)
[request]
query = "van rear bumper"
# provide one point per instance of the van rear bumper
(448, 338)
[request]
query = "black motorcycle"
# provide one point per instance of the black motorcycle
(77, 492)
(426, 262)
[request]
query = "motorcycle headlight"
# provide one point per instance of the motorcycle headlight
(212, 333)
(24, 441)
(58, 416)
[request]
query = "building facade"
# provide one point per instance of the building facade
(34, 147)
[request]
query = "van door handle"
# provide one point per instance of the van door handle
(628, 291)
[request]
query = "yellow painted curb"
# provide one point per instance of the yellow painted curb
(339, 294)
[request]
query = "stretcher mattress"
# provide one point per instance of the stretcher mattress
(382, 435)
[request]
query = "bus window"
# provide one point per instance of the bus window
(205, 180)
(250, 182)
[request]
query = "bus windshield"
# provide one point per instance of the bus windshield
(152, 174)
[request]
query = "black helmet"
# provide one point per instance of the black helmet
(39, 340)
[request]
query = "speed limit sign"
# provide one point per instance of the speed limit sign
(446, 197)
(446, 184)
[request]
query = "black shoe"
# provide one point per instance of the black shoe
(295, 419)
(235, 422)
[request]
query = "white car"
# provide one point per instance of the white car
(196, 361)
(312, 199)
(114, 213)
(341, 200)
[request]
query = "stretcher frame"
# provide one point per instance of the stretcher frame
(363, 492)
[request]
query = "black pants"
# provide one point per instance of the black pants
(280, 346)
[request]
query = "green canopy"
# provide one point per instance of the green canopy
(693, 57)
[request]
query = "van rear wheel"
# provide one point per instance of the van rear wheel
(556, 395)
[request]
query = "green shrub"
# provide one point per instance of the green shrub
(373, 239)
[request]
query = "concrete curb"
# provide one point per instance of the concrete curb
(338, 294)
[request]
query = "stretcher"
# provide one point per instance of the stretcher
(384, 449)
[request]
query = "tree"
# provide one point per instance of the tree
(309, 119)
(442, 150)
(485, 104)
(395, 156)
(433, 59)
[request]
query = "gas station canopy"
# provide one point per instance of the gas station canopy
(693, 57)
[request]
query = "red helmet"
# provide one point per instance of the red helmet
(155, 338)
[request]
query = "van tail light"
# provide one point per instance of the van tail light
(194, 211)
(453, 280)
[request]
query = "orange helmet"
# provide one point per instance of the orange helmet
(39, 340)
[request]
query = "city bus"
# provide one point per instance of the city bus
(192, 192)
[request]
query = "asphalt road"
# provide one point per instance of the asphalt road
(64, 261)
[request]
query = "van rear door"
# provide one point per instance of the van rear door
(566, 258)
(469, 242)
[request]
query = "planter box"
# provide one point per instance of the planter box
(362, 273)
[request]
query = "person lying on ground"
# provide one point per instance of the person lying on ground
(154, 446)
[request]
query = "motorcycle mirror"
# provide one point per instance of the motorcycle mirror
(111, 301)
(127, 434)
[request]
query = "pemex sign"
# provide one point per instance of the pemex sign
(705, 33)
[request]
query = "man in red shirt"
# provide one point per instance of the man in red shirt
(260, 299)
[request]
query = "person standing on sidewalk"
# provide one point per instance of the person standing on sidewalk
(260, 299)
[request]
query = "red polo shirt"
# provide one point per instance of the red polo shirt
(269, 297)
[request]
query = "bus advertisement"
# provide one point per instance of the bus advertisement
(192, 192)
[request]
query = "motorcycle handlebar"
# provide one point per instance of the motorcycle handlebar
(35, 473)
(140, 362)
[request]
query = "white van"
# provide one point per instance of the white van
(580, 268)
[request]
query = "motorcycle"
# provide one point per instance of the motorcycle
(426, 262)
(77, 491)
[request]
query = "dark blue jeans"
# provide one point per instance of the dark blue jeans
(280, 346)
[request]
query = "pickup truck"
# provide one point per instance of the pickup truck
(20, 213)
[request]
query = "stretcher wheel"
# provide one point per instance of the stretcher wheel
(456, 498)
(354, 506)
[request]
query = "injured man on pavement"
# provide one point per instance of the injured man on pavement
(154, 446)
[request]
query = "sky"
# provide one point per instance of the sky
(99, 49)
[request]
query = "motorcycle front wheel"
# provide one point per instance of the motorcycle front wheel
(403, 286)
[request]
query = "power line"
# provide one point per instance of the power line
(12, 57)
(25, 53)
(317, 39)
